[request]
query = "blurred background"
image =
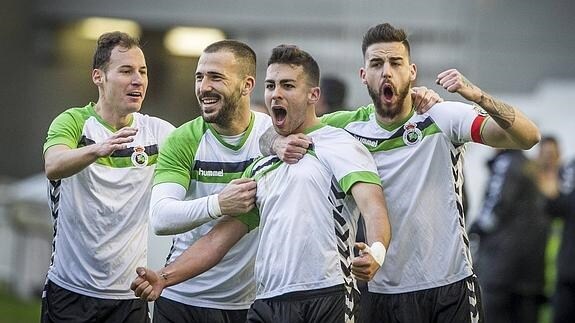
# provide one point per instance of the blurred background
(519, 50)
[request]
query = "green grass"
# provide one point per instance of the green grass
(14, 310)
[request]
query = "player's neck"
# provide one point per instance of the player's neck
(113, 116)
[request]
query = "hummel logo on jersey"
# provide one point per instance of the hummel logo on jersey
(211, 173)
(366, 141)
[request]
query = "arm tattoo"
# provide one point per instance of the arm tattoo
(501, 112)
(266, 141)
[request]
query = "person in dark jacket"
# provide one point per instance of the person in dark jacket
(563, 205)
(513, 229)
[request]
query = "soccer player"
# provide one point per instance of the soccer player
(306, 213)
(198, 180)
(428, 274)
(100, 160)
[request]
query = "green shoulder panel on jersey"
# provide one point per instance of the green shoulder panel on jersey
(66, 129)
(178, 152)
(363, 176)
(340, 119)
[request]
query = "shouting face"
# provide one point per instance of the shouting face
(388, 75)
(289, 98)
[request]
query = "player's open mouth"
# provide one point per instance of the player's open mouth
(279, 114)
(209, 99)
(387, 91)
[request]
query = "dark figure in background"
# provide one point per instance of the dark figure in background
(562, 204)
(513, 230)
(333, 91)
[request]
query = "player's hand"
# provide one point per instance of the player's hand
(117, 141)
(238, 197)
(424, 98)
(292, 148)
(364, 266)
(148, 285)
(453, 81)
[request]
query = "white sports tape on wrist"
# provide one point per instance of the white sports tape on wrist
(377, 251)
(214, 210)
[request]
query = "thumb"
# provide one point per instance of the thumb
(141, 271)
(361, 246)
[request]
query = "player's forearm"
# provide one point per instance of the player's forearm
(61, 162)
(267, 140)
(205, 253)
(171, 214)
(377, 226)
(371, 203)
(521, 131)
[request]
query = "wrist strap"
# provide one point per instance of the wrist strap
(377, 251)
(214, 210)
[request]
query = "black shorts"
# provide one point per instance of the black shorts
(62, 305)
(459, 302)
(326, 305)
(169, 311)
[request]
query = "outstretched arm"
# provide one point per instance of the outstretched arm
(198, 258)
(61, 161)
(507, 128)
(371, 202)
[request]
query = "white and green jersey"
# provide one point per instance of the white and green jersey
(198, 158)
(100, 214)
(420, 164)
(307, 216)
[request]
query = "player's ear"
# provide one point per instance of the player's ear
(362, 75)
(314, 95)
(412, 72)
(249, 84)
(97, 76)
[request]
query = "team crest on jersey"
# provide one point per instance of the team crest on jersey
(412, 135)
(139, 157)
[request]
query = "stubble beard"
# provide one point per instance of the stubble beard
(226, 115)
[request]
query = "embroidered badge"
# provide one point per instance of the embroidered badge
(412, 135)
(139, 157)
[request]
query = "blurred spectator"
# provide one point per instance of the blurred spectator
(333, 91)
(513, 229)
(562, 204)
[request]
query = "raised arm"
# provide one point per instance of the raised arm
(507, 128)
(204, 254)
(61, 161)
(371, 202)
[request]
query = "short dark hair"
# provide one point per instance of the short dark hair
(293, 55)
(384, 33)
(107, 42)
(333, 91)
(242, 52)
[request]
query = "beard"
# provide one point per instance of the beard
(227, 112)
(388, 112)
